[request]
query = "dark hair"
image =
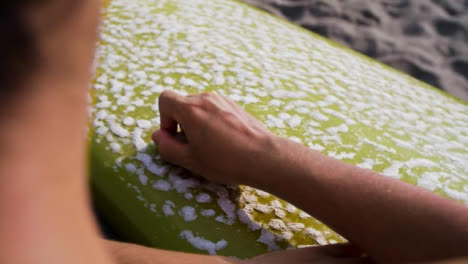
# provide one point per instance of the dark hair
(17, 49)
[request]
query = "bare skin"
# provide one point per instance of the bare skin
(45, 201)
(226, 145)
(43, 190)
(346, 254)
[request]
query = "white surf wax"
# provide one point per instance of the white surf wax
(162, 185)
(168, 208)
(203, 244)
(208, 212)
(338, 112)
(203, 198)
(188, 213)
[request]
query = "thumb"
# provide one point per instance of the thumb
(171, 149)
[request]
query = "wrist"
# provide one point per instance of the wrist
(275, 164)
(290, 169)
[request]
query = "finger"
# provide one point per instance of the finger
(170, 104)
(171, 149)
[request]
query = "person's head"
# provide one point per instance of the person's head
(53, 38)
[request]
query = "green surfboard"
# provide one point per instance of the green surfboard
(300, 85)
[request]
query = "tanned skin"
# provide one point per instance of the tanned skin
(44, 200)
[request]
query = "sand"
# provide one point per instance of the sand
(427, 39)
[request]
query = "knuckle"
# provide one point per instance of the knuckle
(166, 94)
(227, 114)
(209, 100)
(171, 97)
(191, 111)
(165, 98)
(227, 99)
(206, 97)
(201, 104)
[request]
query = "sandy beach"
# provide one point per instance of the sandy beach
(427, 39)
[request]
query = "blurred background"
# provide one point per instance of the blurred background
(427, 39)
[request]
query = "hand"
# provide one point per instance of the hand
(218, 139)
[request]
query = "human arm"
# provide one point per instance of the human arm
(44, 200)
(124, 253)
(390, 220)
(44, 204)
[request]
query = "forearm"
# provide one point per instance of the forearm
(124, 253)
(390, 220)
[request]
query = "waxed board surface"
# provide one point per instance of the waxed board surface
(299, 85)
